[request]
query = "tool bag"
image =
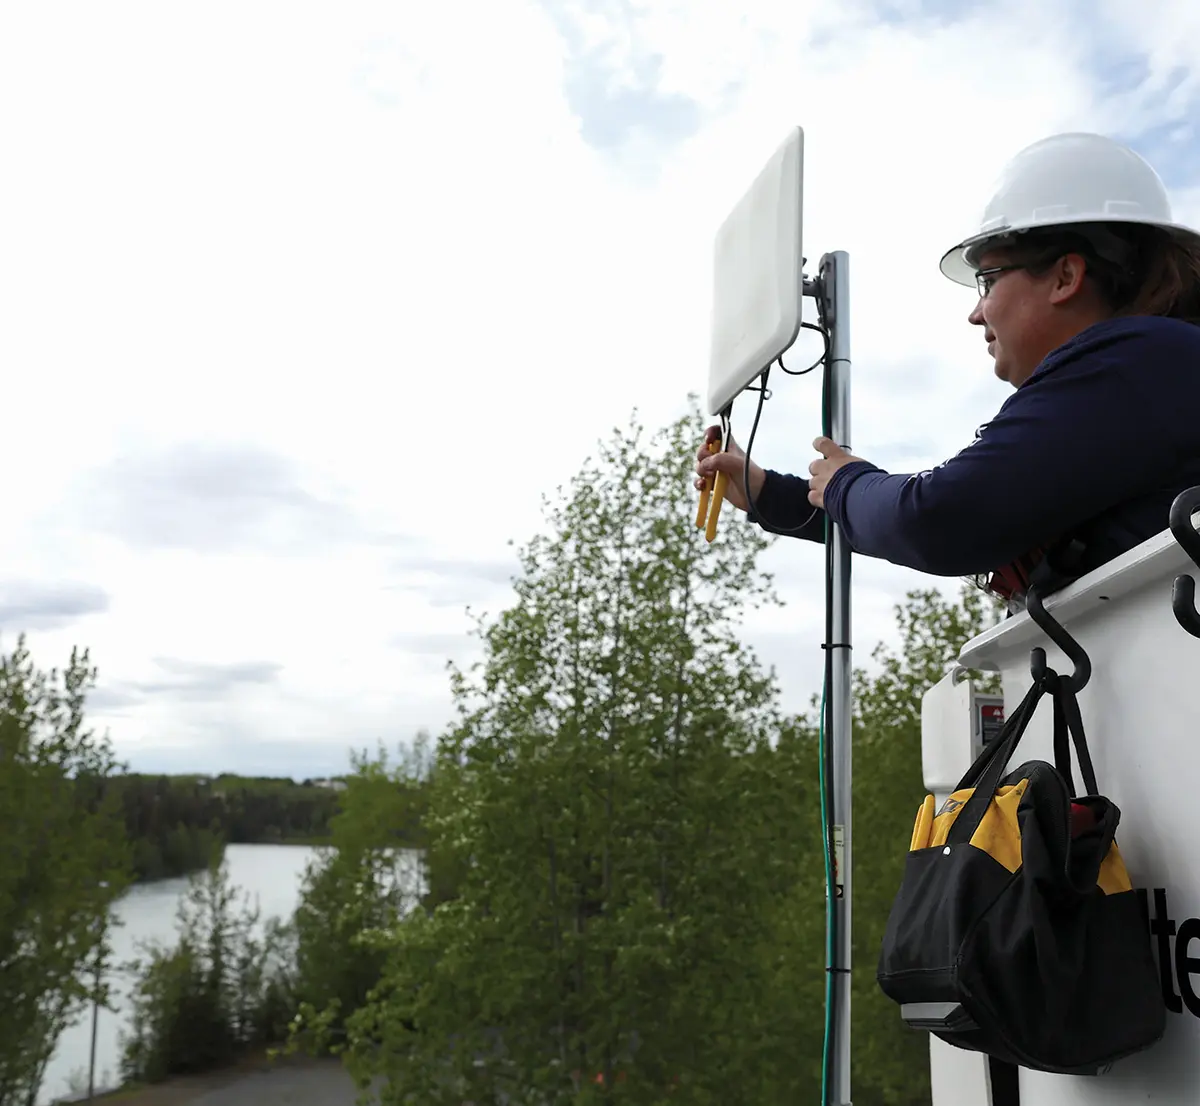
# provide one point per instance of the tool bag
(1016, 931)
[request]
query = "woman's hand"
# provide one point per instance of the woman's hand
(733, 463)
(833, 457)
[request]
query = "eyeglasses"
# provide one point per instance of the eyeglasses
(985, 278)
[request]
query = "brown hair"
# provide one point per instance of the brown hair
(1137, 269)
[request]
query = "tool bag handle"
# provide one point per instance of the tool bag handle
(1068, 720)
(984, 775)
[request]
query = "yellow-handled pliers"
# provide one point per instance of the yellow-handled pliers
(713, 493)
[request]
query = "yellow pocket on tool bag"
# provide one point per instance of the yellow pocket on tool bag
(998, 834)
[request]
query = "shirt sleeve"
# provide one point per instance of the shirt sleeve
(1073, 441)
(782, 507)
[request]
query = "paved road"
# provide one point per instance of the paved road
(325, 1084)
(288, 1082)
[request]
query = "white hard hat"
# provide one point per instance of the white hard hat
(1067, 178)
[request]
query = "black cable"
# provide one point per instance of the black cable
(752, 511)
(820, 329)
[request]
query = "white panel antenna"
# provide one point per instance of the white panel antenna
(758, 280)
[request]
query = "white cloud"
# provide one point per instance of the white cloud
(369, 240)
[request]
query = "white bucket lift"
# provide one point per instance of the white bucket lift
(1142, 732)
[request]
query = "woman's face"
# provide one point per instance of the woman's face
(1023, 316)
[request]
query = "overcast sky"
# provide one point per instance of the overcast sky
(290, 292)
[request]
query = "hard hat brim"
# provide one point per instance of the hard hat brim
(956, 266)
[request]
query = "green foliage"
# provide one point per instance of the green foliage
(631, 848)
(364, 883)
(64, 861)
(181, 850)
(222, 989)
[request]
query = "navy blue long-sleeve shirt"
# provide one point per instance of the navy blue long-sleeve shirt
(1095, 445)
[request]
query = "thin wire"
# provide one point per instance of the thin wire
(752, 510)
(820, 329)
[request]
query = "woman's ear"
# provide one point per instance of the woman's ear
(1067, 277)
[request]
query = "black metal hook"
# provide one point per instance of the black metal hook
(1075, 652)
(1183, 591)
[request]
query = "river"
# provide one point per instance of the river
(268, 874)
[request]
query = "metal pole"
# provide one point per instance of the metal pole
(92, 1060)
(835, 283)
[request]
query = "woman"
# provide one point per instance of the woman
(1092, 314)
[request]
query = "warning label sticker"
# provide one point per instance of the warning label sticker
(839, 846)
(991, 720)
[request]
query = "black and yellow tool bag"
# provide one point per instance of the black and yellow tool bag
(1016, 931)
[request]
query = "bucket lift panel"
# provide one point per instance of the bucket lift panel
(1142, 719)
(956, 721)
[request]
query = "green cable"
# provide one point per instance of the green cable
(829, 904)
(826, 828)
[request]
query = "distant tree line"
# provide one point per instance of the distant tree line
(177, 824)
